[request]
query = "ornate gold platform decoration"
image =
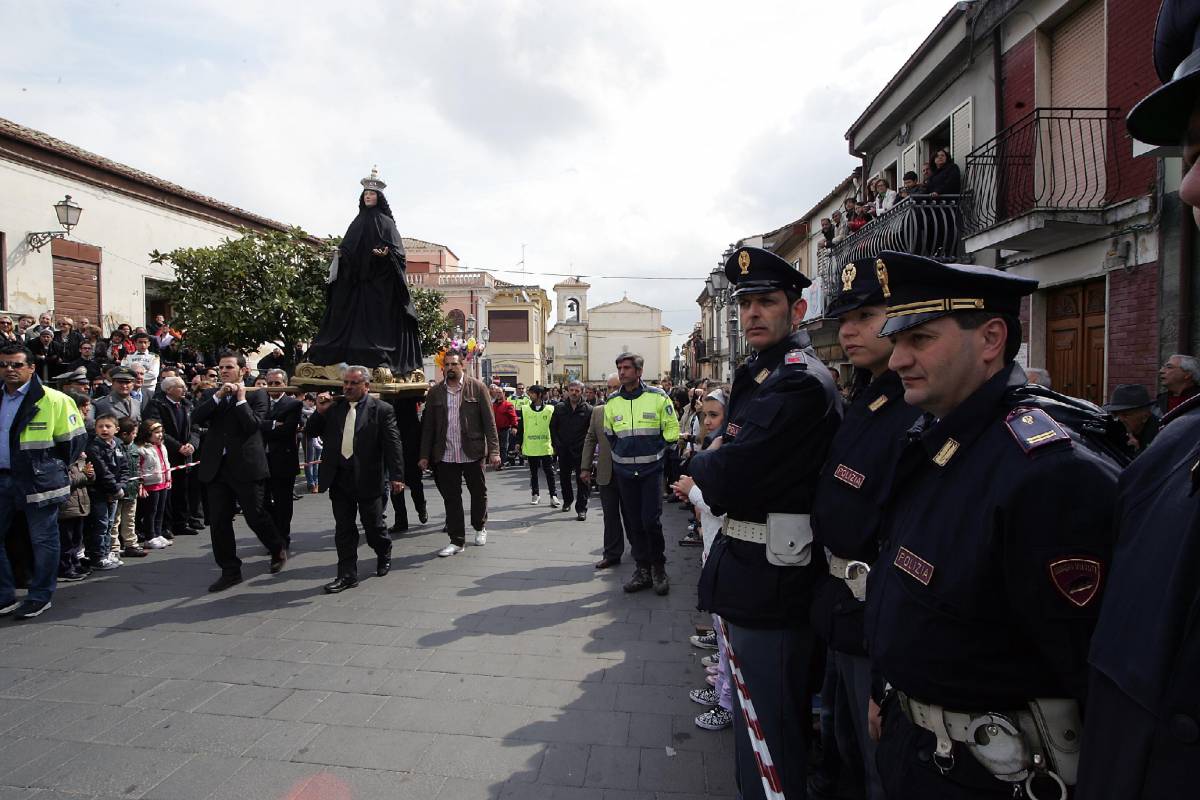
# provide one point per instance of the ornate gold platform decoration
(319, 377)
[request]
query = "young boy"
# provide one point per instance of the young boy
(124, 538)
(104, 493)
(142, 357)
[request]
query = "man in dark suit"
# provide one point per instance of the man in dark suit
(233, 466)
(409, 423)
(279, 428)
(363, 459)
(174, 411)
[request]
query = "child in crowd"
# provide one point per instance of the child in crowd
(73, 519)
(103, 452)
(719, 695)
(313, 447)
(154, 472)
(124, 540)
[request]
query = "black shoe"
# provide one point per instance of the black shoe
(606, 563)
(566, 506)
(340, 585)
(224, 582)
(278, 560)
(640, 580)
(398, 528)
(423, 516)
(581, 516)
(71, 577)
(383, 565)
(9, 607)
(30, 609)
(692, 539)
(189, 531)
(661, 584)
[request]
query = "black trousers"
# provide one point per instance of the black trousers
(346, 507)
(278, 500)
(450, 479)
(568, 464)
(416, 489)
(641, 510)
(179, 508)
(222, 492)
(197, 500)
(775, 665)
(614, 534)
(546, 465)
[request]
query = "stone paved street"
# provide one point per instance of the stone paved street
(510, 671)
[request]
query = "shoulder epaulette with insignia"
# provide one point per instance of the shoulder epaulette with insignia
(1034, 429)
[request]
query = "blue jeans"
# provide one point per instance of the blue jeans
(313, 447)
(97, 538)
(43, 535)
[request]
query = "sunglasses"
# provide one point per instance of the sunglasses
(13, 364)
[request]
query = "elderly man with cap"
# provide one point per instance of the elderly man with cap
(762, 472)
(996, 547)
(120, 401)
(849, 506)
(1143, 714)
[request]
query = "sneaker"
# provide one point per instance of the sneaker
(106, 563)
(640, 580)
(705, 697)
(691, 539)
(706, 642)
(481, 537)
(157, 543)
(536, 499)
(711, 680)
(715, 719)
(554, 502)
(711, 661)
(30, 609)
(9, 606)
(71, 577)
(450, 550)
(169, 541)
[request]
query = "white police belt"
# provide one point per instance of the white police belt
(786, 537)
(854, 573)
(1041, 741)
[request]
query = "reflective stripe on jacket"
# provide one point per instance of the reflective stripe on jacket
(47, 436)
(639, 426)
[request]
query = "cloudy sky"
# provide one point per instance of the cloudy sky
(610, 138)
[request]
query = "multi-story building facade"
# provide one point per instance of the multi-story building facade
(516, 321)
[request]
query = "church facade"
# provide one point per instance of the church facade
(585, 341)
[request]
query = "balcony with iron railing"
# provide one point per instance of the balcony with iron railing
(921, 224)
(1047, 180)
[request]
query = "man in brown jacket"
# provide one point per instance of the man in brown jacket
(458, 431)
(610, 500)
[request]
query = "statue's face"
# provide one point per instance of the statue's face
(370, 198)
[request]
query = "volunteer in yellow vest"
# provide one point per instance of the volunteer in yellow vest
(533, 434)
(41, 435)
(520, 402)
(640, 424)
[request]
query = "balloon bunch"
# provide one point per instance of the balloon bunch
(469, 347)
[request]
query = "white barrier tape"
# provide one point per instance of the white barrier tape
(772, 787)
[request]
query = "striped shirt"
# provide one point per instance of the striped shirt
(454, 450)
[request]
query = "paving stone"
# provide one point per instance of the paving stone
(564, 765)
(473, 757)
(297, 705)
(179, 695)
(197, 779)
(681, 772)
(372, 748)
(463, 789)
(346, 708)
(24, 761)
(429, 716)
(284, 741)
(76, 722)
(205, 733)
(612, 767)
(245, 701)
(268, 779)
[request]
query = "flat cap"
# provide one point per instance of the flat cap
(1161, 118)
(859, 287)
(753, 270)
(919, 290)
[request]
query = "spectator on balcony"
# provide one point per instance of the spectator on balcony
(840, 227)
(1180, 378)
(912, 184)
(944, 176)
(862, 215)
(884, 196)
(828, 231)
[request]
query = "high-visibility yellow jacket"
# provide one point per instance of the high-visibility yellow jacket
(535, 431)
(46, 438)
(640, 425)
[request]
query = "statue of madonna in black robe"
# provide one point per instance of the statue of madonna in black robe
(369, 317)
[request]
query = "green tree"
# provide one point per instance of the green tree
(267, 287)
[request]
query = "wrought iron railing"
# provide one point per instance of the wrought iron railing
(1052, 158)
(920, 224)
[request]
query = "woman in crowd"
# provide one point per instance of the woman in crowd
(944, 176)
(8, 331)
(885, 197)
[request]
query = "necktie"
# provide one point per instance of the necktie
(348, 432)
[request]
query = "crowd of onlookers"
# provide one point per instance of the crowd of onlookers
(941, 176)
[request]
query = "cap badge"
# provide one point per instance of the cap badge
(881, 272)
(848, 274)
(744, 262)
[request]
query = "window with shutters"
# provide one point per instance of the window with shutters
(960, 132)
(509, 326)
(908, 163)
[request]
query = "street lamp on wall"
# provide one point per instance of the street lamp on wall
(68, 217)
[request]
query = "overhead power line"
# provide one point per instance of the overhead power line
(580, 275)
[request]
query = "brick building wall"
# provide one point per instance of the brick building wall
(1133, 327)
(1131, 77)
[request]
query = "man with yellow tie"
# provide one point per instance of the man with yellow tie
(362, 444)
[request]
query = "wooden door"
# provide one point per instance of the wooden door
(1075, 335)
(76, 280)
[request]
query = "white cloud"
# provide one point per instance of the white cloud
(613, 138)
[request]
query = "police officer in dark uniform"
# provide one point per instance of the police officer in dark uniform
(847, 512)
(1142, 733)
(995, 547)
(783, 412)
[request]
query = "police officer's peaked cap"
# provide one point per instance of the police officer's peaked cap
(77, 375)
(122, 374)
(858, 286)
(1161, 118)
(753, 270)
(919, 290)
